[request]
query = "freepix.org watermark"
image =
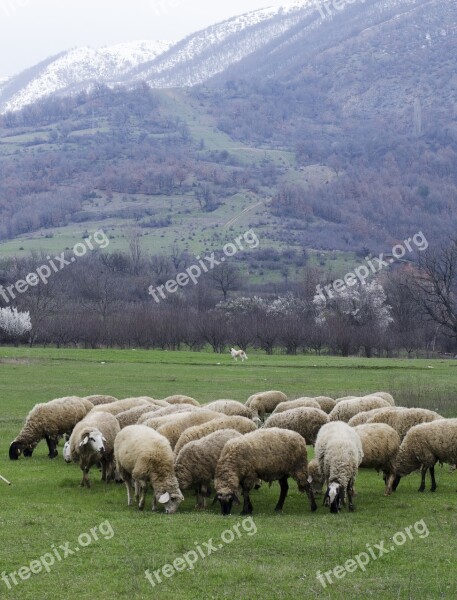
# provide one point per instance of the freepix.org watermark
(54, 265)
(189, 559)
(57, 554)
(374, 265)
(361, 560)
(204, 265)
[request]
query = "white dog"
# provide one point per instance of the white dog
(238, 354)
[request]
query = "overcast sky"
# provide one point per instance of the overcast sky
(32, 30)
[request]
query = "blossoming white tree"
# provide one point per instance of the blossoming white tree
(14, 324)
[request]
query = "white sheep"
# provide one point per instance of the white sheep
(339, 452)
(145, 456)
(304, 420)
(265, 402)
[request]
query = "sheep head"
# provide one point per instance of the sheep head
(334, 497)
(226, 499)
(93, 440)
(171, 501)
(18, 448)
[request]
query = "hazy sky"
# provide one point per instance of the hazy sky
(32, 30)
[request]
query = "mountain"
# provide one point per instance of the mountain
(161, 64)
(75, 70)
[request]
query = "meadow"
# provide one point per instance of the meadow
(272, 556)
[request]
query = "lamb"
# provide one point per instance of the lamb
(380, 445)
(179, 423)
(49, 420)
(98, 399)
(180, 399)
(231, 408)
(145, 456)
(362, 417)
(298, 403)
(344, 411)
(326, 404)
(268, 454)
(92, 442)
(265, 402)
(304, 420)
(339, 452)
(402, 419)
(238, 354)
(240, 424)
(422, 447)
(131, 416)
(122, 405)
(195, 464)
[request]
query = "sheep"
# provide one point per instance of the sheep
(343, 398)
(315, 477)
(265, 402)
(195, 464)
(170, 410)
(131, 416)
(231, 408)
(362, 417)
(66, 449)
(326, 404)
(339, 452)
(422, 447)
(122, 405)
(240, 424)
(180, 399)
(385, 396)
(380, 445)
(344, 411)
(304, 420)
(145, 456)
(298, 403)
(92, 442)
(402, 419)
(178, 423)
(98, 399)
(49, 420)
(268, 454)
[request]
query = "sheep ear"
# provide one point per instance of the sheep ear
(84, 441)
(103, 438)
(164, 498)
(310, 479)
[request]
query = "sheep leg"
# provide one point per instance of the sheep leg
(422, 485)
(85, 482)
(247, 504)
(283, 495)
(52, 446)
(350, 493)
(104, 470)
(432, 475)
(142, 498)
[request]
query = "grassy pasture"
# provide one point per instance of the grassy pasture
(44, 508)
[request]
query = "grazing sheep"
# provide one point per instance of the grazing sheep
(362, 417)
(344, 411)
(268, 454)
(240, 424)
(122, 405)
(343, 398)
(66, 449)
(385, 396)
(179, 423)
(339, 452)
(92, 442)
(195, 464)
(380, 445)
(170, 410)
(131, 416)
(98, 399)
(402, 419)
(265, 402)
(180, 399)
(326, 404)
(49, 420)
(298, 403)
(304, 420)
(231, 408)
(423, 446)
(315, 477)
(145, 456)
(238, 354)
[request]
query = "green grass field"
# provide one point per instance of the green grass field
(275, 556)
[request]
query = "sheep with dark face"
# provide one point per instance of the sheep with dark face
(49, 421)
(145, 456)
(92, 442)
(267, 454)
(339, 452)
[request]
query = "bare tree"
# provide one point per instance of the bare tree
(226, 278)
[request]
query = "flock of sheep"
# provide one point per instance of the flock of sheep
(177, 444)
